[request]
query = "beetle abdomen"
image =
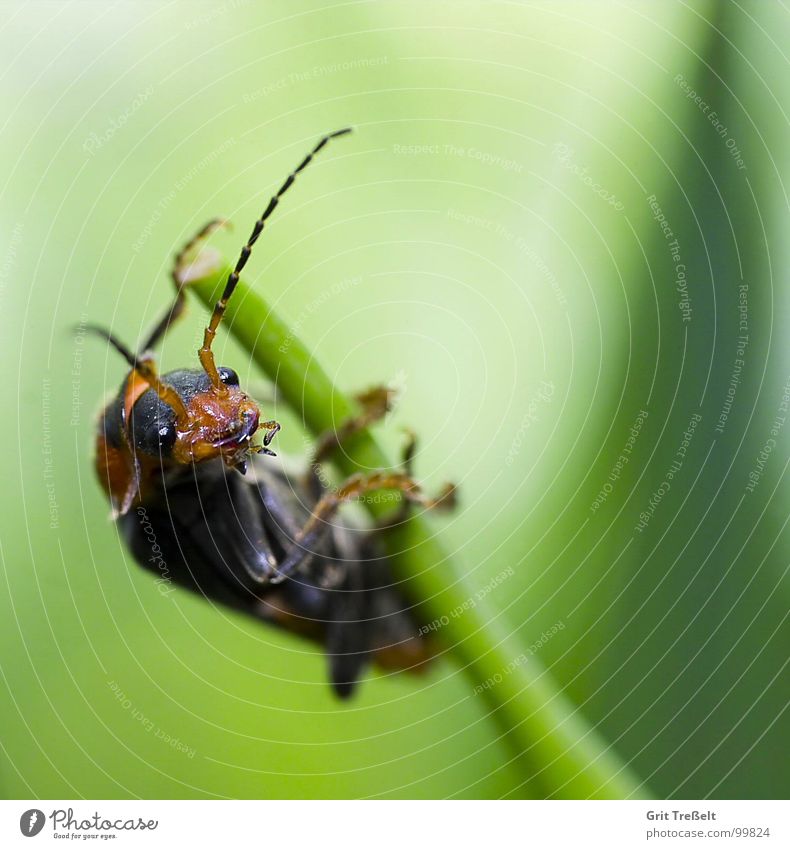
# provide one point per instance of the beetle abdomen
(194, 532)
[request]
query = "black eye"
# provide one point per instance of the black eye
(227, 375)
(167, 437)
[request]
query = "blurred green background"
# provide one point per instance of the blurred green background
(489, 241)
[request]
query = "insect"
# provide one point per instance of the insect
(186, 462)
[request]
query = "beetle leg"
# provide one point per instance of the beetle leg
(447, 501)
(407, 465)
(239, 534)
(180, 274)
(348, 633)
(408, 452)
(353, 488)
(174, 312)
(375, 403)
(447, 497)
(188, 253)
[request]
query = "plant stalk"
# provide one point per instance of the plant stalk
(556, 751)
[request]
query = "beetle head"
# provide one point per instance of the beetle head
(212, 423)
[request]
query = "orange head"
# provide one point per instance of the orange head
(208, 422)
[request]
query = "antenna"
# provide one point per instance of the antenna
(205, 353)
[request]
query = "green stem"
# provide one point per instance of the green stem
(554, 748)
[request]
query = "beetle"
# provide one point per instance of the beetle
(198, 496)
